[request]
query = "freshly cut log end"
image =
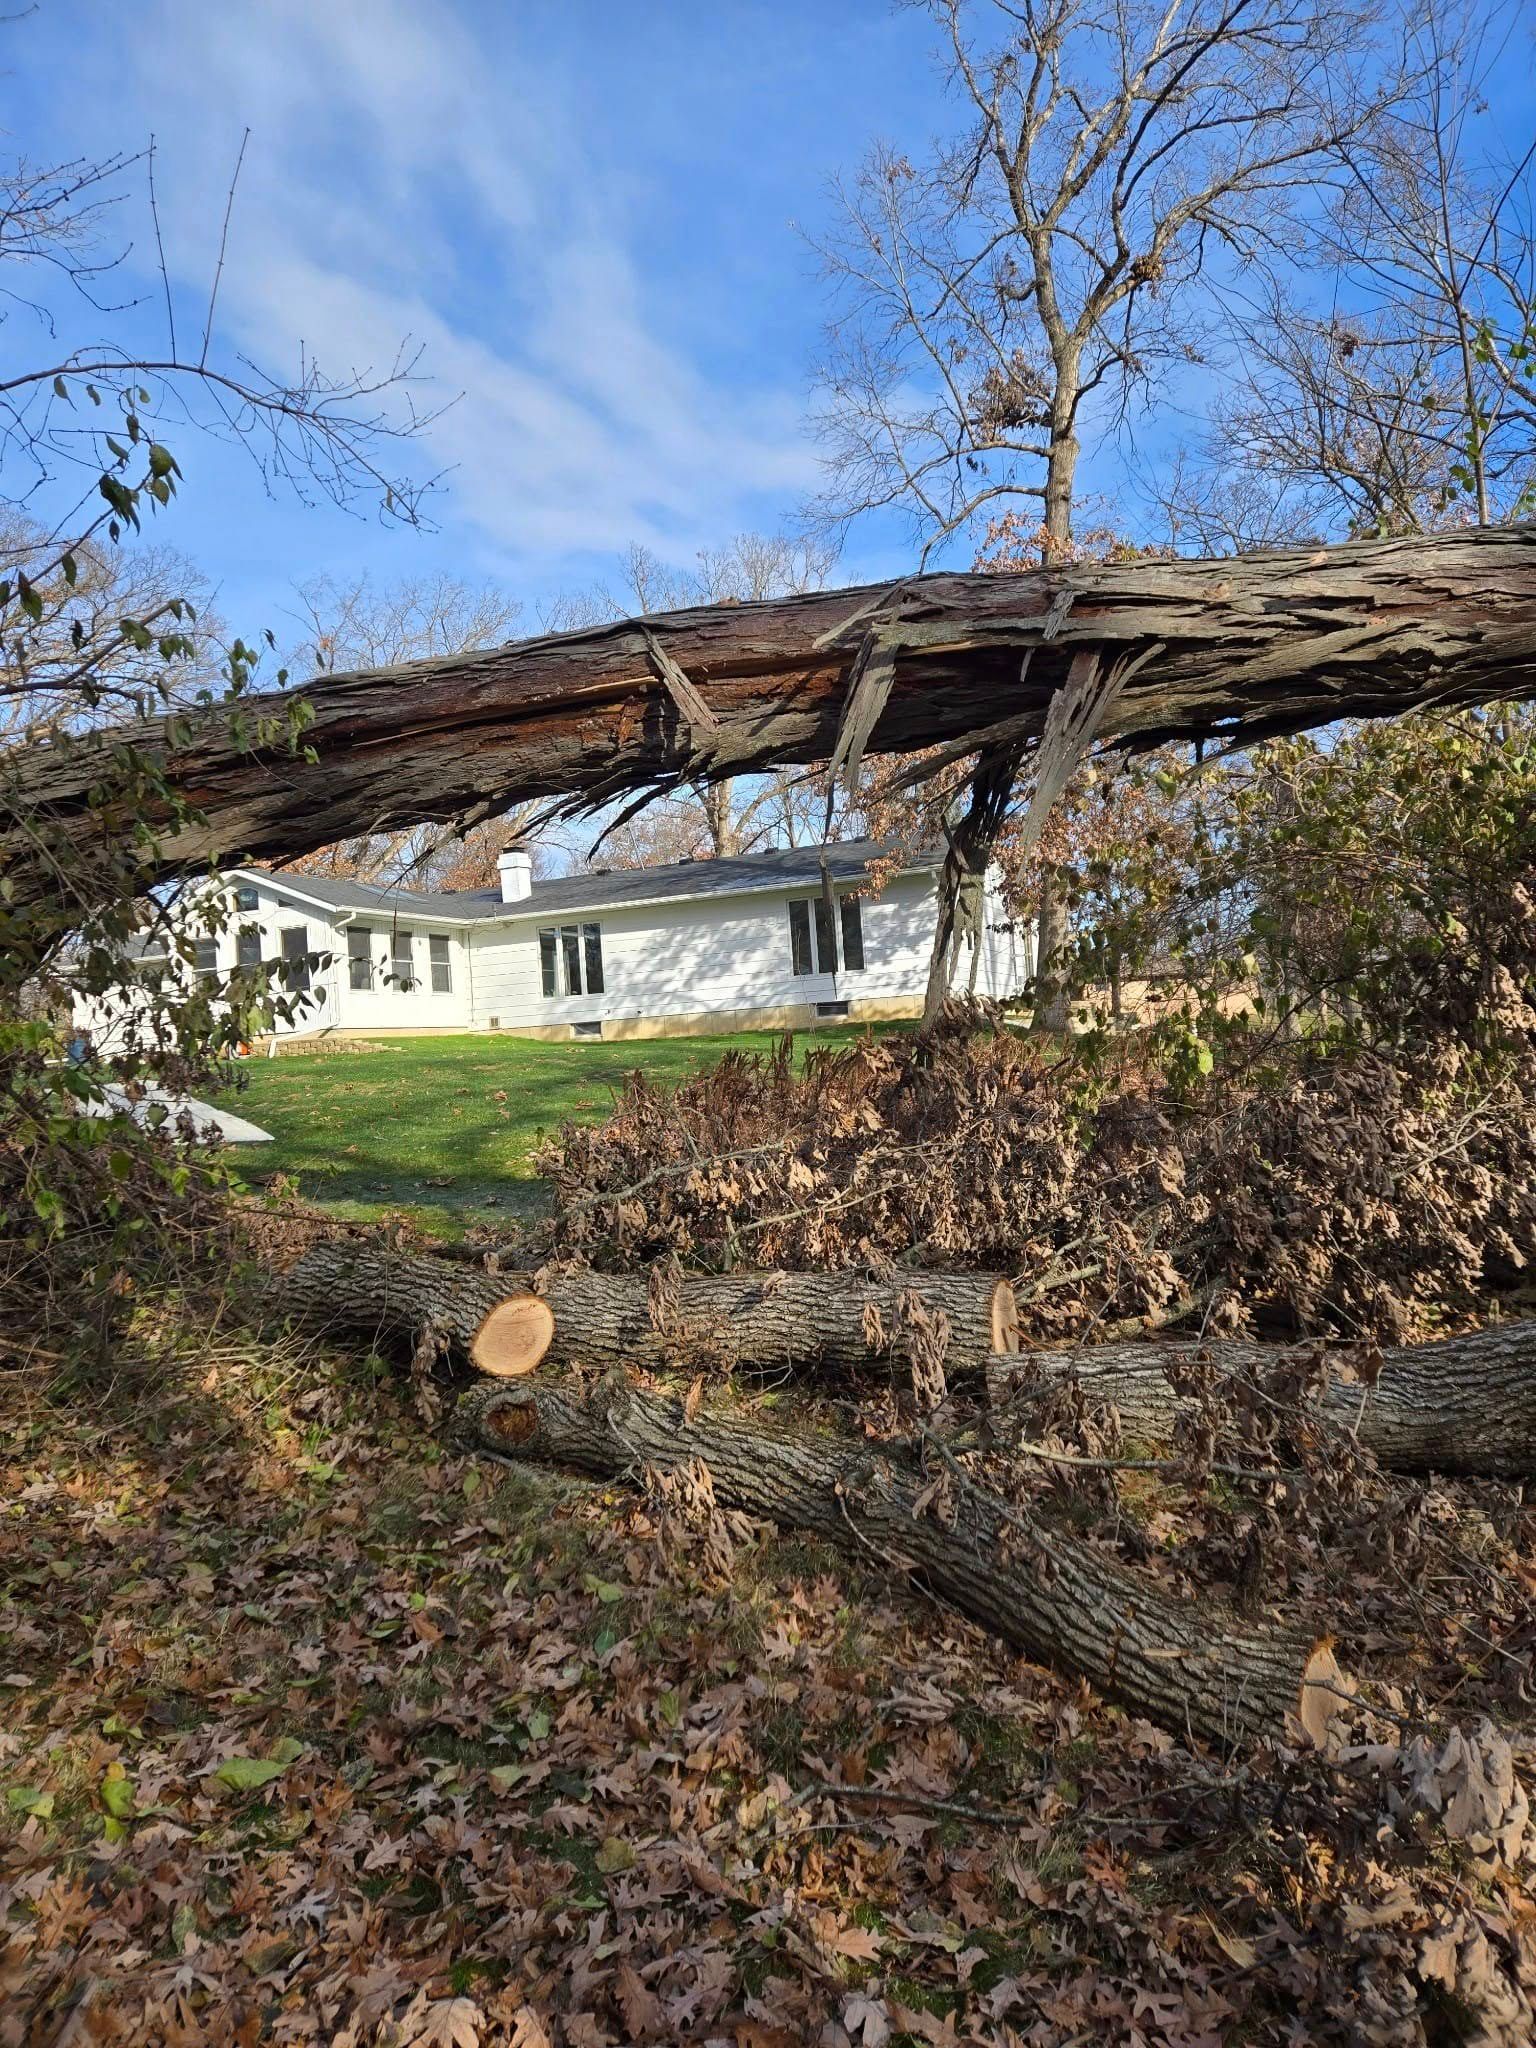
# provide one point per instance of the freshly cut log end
(1325, 1693)
(513, 1338)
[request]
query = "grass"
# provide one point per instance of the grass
(447, 1128)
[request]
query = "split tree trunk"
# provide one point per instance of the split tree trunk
(1190, 1664)
(1263, 644)
(1465, 1405)
(752, 1321)
(494, 1321)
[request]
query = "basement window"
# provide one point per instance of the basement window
(831, 1009)
(593, 1029)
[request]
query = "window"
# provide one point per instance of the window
(593, 1029)
(206, 955)
(813, 919)
(853, 934)
(442, 965)
(246, 897)
(153, 962)
(800, 939)
(592, 943)
(295, 942)
(359, 956)
(832, 1009)
(571, 960)
(402, 960)
(248, 946)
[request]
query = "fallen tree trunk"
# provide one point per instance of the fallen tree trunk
(1258, 645)
(757, 1321)
(493, 1320)
(1467, 1404)
(750, 1322)
(1190, 1664)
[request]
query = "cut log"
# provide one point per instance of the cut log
(760, 1321)
(1467, 1404)
(1236, 650)
(1190, 1664)
(491, 1319)
(747, 1322)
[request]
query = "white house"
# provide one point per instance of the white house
(768, 940)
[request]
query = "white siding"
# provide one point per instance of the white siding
(679, 959)
(730, 953)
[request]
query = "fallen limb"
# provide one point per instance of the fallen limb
(491, 1319)
(1467, 1404)
(1234, 650)
(1190, 1664)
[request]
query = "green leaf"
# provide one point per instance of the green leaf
(117, 1793)
(472, 1484)
(538, 1725)
(249, 1773)
(29, 1799)
(287, 1749)
(614, 1855)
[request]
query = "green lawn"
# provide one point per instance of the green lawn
(446, 1127)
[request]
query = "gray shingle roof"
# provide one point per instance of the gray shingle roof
(611, 889)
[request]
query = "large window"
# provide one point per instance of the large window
(813, 935)
(248, 946)
(295, 958)
(571, 959)
(359, 956)
(206, 952)
(442, 965)
(402, 960)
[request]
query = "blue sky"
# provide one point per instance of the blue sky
(589, 215)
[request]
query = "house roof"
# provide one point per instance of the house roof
(599, 889)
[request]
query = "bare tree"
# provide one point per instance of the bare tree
(362, 624)
(1390, 387)
(1046, 263)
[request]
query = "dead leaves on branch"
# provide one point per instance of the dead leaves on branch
(1357, 1192)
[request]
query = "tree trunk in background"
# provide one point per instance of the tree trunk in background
(1053, 1002)
(1192, 1665)
(1261, 644)
(718, 799)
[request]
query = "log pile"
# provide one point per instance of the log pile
(1467, 1404)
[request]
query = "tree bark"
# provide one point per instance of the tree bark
(491, 1319)
(1187, 1663)
(749, 1322)
(1053, 1001)
(759, 1321)
(1465, 1405)
(1258, 645)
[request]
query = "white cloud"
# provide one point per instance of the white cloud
(403, 178)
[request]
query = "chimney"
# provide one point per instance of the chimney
(516, 872)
